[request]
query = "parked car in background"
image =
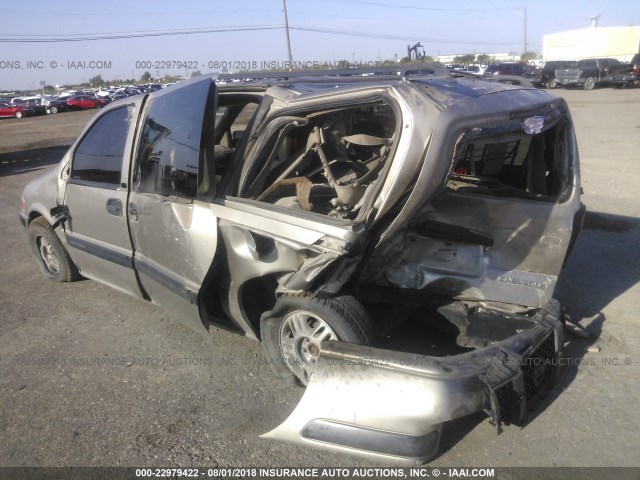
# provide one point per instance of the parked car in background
(319, 216)
(471, 70)
(508, 73)
(545, 75)
(17, 111)
(587, 73)
(82, 102)
(57, 105)
(454, 66)
(37, 104)
(477, 68)
(105, 93)
(491, 69)
(628, 74)
(118, 96)
(507, 69)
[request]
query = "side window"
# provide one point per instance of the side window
(231, 121)
(98, 157)
(170, 146)
(324, 162)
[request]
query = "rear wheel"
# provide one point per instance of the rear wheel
(53, 109)
(18, 114)
(53, 258)
(299, 325)
(589, 83)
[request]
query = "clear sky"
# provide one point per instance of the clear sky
(361, 30)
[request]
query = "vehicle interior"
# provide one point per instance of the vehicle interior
(514, 164)
(324, 161)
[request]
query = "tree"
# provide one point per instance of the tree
(171, 78)
(464, 59)
(484, 58)
(96, 81)
(195, 73)
(146, 77)
(526, 56)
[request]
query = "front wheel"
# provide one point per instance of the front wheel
(294, 332)
(589, 83)
(53, 109)
(18, 114)
(53, 258)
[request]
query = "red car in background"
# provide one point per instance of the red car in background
(81, 102)
(7, 110)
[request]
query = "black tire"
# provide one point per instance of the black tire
(293, 354)
(53, 109)
(53, 258)
(589, 83)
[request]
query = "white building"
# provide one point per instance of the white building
(612, 42)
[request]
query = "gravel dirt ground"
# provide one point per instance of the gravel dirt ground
(91, 377)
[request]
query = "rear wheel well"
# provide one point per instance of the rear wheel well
(33, 216)
(257, 296)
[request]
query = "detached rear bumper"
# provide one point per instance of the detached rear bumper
(390, 406)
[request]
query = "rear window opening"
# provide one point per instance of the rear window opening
(513, 163)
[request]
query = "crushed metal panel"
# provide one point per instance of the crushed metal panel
(390, 406)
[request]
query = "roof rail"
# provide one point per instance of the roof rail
(506, 79)
(372, 73)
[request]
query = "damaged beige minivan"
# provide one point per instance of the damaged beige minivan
(323, 215)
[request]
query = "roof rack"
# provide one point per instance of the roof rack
(362, 73)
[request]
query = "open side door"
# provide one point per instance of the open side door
(173, 229)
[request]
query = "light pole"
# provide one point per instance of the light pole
(525, 30)
(286, 27)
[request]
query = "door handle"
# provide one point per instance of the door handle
(114, 207)
(133, 211)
